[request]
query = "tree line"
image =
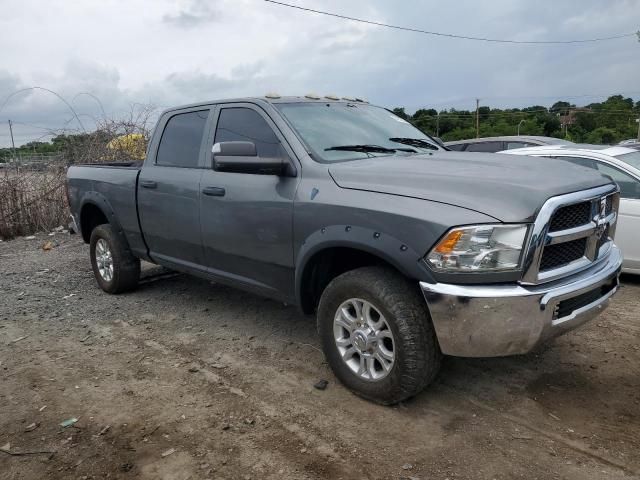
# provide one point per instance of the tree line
(59, 144)
(605, 122)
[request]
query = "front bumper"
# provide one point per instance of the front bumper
(498, 320)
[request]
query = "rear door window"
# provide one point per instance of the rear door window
(182, 139)
(512, 145)
(629, 186)
(457, 148)
(582, 161)
(491, 147)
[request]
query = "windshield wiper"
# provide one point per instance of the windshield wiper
(414, 142)
(362, 148)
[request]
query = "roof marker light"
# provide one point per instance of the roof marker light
(312, 96)
(272, 95)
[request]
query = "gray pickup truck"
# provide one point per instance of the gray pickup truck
(404, 250)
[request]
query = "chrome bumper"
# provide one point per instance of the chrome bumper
(493, 321)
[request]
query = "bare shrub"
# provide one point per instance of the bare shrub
(31, 201)
(114, 140)
(33, 195)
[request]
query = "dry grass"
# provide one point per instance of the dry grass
(32, 201)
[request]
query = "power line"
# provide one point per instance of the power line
(451, 35)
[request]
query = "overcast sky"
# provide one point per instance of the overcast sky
(173, 52)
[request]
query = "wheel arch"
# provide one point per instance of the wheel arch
(96, 210)
(336, 250)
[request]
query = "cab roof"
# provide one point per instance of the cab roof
(274, 99)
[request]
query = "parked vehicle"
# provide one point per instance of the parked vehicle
(497, 144)
(620, 163)
(405, 251)
(634, 145)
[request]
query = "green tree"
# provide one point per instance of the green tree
(401, 113)
(599, 122)
(561, 107)
(603, 135)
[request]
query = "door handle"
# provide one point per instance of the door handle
(214, 191)
(148, 184)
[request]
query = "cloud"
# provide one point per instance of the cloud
(169, 54)
(196, 13)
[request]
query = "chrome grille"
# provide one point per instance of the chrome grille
(561, 254)
(609, 204)
(570, 216)
(571, 233)
(606, 236)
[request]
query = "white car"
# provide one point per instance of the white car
(620, 163)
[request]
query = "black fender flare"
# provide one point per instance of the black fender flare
(99, 201)
(380, 244)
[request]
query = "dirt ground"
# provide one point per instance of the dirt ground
(185, 379)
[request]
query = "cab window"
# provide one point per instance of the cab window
(181, 140)
(245, 124)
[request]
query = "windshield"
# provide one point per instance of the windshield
(632, 158)
(330, 129)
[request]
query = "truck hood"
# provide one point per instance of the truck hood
(510, 188)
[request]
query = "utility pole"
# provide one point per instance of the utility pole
(438, 124)
(13, 145)
(638, 120)
(477, 118)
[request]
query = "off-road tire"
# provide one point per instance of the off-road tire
(418, 355)
(126, 267)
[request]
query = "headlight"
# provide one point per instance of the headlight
(479, 248)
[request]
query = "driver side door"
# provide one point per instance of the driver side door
(247, 218)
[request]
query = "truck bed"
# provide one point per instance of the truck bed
(136, 165)
(112, 187)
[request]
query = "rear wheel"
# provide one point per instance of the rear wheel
(114, 266)
(377, 335)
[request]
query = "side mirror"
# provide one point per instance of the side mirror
(234, 149)
(242, 157)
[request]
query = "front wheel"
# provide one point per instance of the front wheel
(114, 266)
(377, 335)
